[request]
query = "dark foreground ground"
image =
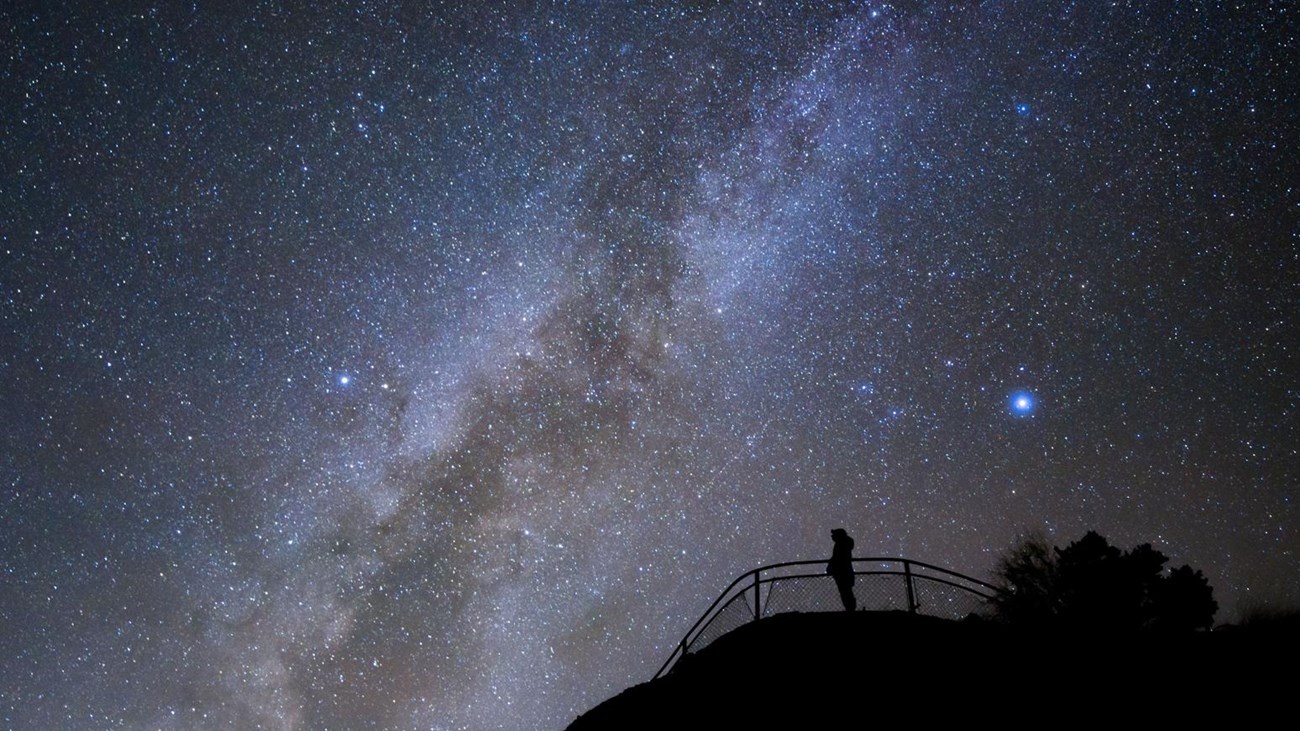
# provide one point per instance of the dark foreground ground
(862, 670)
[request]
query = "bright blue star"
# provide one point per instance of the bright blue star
(1022, 403)
(343, 379)
(1022, 109)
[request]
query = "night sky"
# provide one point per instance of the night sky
(434, 365)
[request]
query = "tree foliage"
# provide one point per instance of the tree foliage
(1093, 585)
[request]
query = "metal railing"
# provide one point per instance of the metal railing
(882, 584)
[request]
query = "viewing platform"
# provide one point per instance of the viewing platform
(881, 585)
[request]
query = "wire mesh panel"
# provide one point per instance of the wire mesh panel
(940, 599)
(880, 592)
(800, 594)
(736, 612)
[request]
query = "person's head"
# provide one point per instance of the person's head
(838, 534)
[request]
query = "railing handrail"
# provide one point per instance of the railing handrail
(754, 577)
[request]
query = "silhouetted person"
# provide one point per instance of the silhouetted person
(840, 567)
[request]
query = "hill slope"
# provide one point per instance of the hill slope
(808, 670)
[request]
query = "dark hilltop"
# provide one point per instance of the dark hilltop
(852, 670)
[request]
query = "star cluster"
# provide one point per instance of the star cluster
(375, 365)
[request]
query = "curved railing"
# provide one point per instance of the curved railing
(882, 584)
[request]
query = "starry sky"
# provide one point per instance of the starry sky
(434, 365)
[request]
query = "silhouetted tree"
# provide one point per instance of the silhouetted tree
(1027, 575)
(1092, 585)
(1184, 601)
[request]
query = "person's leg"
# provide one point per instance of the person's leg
(846, 594)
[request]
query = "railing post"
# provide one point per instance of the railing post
(758, 607)
(911, 593)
